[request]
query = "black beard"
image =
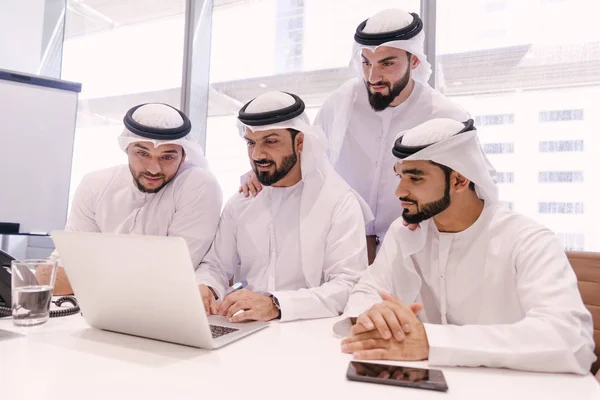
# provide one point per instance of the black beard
(380, 101)
(267, 179)
(143, 189)
(428, 210)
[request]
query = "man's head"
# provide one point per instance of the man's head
(388, 50)
(274, 125)
(387, 72)
(274, 155)
(427, 188)
(443, 171)
(155, 141)
(153, 167)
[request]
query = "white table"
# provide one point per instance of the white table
(66, 359)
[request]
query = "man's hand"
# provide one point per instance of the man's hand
(255, 307)
(371, 248)
(372, 346)
(390, 318)
(251, 185)
(209, 300)
(412, 227)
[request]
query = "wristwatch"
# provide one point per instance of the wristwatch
(277, 306)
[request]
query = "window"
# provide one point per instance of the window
(572, 241)
(561, 115)
(505, 177)
(560, 208)
(509, 205)
(499, 148)
(112, 50)
(493, 34)
(495, 6)
(560, 176)
(289, 37)
(537, 91)
(283, 49)
(561, 146)
(495, 119)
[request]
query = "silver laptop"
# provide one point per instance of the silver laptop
(143, 286)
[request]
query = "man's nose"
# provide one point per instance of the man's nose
(153, 167)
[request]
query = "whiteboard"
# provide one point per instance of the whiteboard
(37, 130)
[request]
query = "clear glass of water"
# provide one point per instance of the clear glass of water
(32, 284)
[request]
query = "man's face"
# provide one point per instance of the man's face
(424, 190)
(153, 167)
(272, 153)
(386, 73)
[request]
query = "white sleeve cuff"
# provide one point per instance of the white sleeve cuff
(440, 350)
(286, 305)
(208, 280)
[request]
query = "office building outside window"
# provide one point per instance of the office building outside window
(499, 148)
(558, 146)
(561, 176)
(535, 86)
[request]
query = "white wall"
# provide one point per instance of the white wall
(21, 34)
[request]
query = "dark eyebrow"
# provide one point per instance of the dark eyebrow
(413, 171)
(387, 59)
(270, 135)
(390, 58)
(147, 149)
(141, 147)
(262, 138)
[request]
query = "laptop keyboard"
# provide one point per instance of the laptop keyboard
(218, 331)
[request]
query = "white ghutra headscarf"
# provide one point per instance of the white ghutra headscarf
(161, 124)
(392, 28)
(453, 144)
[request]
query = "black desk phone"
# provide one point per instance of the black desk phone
(5, 291)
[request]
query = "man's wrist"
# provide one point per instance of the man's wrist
(276, 307)
(426, 347)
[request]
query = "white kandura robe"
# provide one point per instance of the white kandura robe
(189, 207)
(499, 294)
(360, 141)
(263, 235)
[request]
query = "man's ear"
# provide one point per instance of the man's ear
(414, 61)
(459, 182)
(299, 142)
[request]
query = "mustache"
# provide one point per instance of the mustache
(380, 83)
(149, 175)
(263, 161)
(407, 200)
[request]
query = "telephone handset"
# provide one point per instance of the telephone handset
(5, 279)
(5, 291)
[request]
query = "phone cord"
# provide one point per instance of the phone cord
(6, 311)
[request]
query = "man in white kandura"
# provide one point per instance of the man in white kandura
(389, 95)
(491, 287)
(300, 242)
(166, 190)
